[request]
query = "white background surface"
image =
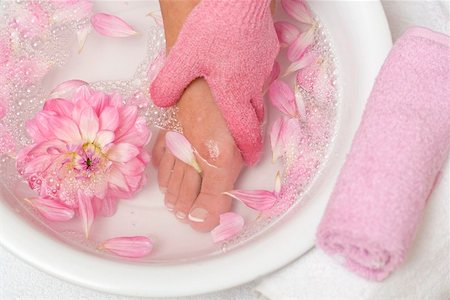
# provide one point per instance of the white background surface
(20, 281)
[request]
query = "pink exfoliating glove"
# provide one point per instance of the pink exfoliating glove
(233, 45)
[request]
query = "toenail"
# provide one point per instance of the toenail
(198, 215)
(180, 215)
(170, 206)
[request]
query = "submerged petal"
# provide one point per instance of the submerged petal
(181, 149)
(299, 10)
(287, 33)
(89, 124)
(112, 26)
(306, 60)
(260, 200)
(283, 98)
(60, 106)
(123, 152)
(67, 88)
(230, 225)
(109, 118)
(300, 45)
(65, 129)
(51, 209)
(276, 136)
(131, 247)
(86, 212)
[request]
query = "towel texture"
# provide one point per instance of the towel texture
(398, 150)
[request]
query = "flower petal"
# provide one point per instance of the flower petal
(306, 60)
(123, 152)
(277, 188)
(112, 26)
(139, 135)
(61, 106)
(276, 136)
(127, 116)
(230, 225)
(117, 178)
(86, 211)
(300, 103)
(89, 124)
(274, 74)
(260, 200)
(299, 46)
(109, 118)
(131, 247)
(299, 10)
(287, 33)
(104, 138)
(51, 209)
(283, 98)
(82, 36)
(65, 129)
(181, 149)
(67, 88)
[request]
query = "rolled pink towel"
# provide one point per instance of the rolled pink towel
(397, 153)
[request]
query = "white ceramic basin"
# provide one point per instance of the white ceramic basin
(360, 38)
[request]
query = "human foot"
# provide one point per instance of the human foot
(197, 198)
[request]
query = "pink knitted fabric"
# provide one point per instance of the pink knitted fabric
(233, 45)
(397, 153)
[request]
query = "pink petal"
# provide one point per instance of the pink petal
(299, 46)
(82, 35)
(117, 178)
(306, 60)
(283, 98)
(299, 10)
(60, 106)
(65, 129)
(109, 118)
(67, 88)
(127, 116)
(112, 26)
(277, 188)
(276, 136)
(260, 200)
(38, 164)
(104, 138)
(133, 167)
(287, 33)
(86, 211)
(230, 225)
(51, 209)
(131, 247)
(89, 124)
(181, 149)
(140, 135)
(105, 206)
(274, 74)
(123, 152)
(300, 103)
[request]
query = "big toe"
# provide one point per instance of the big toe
(205, 213)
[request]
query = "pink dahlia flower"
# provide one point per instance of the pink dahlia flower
(88, 148)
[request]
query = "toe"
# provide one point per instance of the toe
(165, 170)
(211, 203)
(159, 149)
(173, 188)
(189, 190)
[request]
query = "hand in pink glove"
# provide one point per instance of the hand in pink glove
(233, 45)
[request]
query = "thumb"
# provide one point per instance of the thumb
(179, 70)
